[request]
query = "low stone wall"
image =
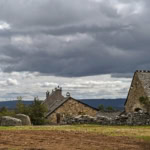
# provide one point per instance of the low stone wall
(138, 118)
(109, 114)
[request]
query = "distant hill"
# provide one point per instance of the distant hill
(115, 103)
(12, 104)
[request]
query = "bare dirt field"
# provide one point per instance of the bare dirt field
(67, 140)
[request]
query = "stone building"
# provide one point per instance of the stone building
(140, 87)
(60, 107)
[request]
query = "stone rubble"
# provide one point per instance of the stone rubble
(136, 118)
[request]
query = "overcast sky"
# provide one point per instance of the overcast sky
(89, 47)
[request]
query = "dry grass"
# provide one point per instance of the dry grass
(142, 132)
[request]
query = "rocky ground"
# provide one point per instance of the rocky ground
(66, 140)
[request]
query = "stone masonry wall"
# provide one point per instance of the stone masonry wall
(136, 118)
(71, 108)
(136, 91)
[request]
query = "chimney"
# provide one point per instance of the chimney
(58, 90)
(47, 94)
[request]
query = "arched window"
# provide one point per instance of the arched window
(137, 109)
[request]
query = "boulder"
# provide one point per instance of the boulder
(24, 118)
(10, 121)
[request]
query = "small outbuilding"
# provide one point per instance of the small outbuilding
(60, 107)
(139, 93)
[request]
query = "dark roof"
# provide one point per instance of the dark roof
(56, 104)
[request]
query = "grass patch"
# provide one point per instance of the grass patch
(142, 132)
(145, 138)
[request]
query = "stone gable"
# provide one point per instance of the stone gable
(139, 87)
(71, 108)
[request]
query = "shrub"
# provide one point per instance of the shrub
(110, 108)
(37, 111)
(5, 112)
(145, 101)
(101, 107)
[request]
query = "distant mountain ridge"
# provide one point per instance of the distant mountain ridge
(115, 103)
(12, 104)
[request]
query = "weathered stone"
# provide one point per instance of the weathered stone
(104, 120)
(24, 118)
(112, 114)
(71, 108)
(10, 121)
(139, 88)
(60, 107)
(80, 119)
(124, 119)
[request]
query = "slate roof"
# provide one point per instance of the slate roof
(57, 103)
(51, 100)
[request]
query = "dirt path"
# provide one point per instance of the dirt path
(63, 140)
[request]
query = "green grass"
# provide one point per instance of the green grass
(142, 132)
(145, 138)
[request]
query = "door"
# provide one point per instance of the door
(58, 118)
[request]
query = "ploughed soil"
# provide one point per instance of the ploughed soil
(66, 140)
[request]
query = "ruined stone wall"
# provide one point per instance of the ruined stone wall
(136, 118)
(71, 108)
(135, 92)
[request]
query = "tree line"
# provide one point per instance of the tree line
(109, 108)
(36, 111)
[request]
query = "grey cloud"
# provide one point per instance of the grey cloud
(122, 75)
(75, 38)
(9, 82)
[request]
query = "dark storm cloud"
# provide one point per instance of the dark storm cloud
(75, 38)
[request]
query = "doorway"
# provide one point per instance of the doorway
(58, 118)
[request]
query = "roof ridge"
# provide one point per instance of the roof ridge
(146, 71)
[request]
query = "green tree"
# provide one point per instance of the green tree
(20, 106)
(110, 108)
(101, 107)
(5, 112)
(37, 112)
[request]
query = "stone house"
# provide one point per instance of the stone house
(60, 107)
(140, 87)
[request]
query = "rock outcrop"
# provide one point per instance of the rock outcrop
(10, 121)
(24, 118)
